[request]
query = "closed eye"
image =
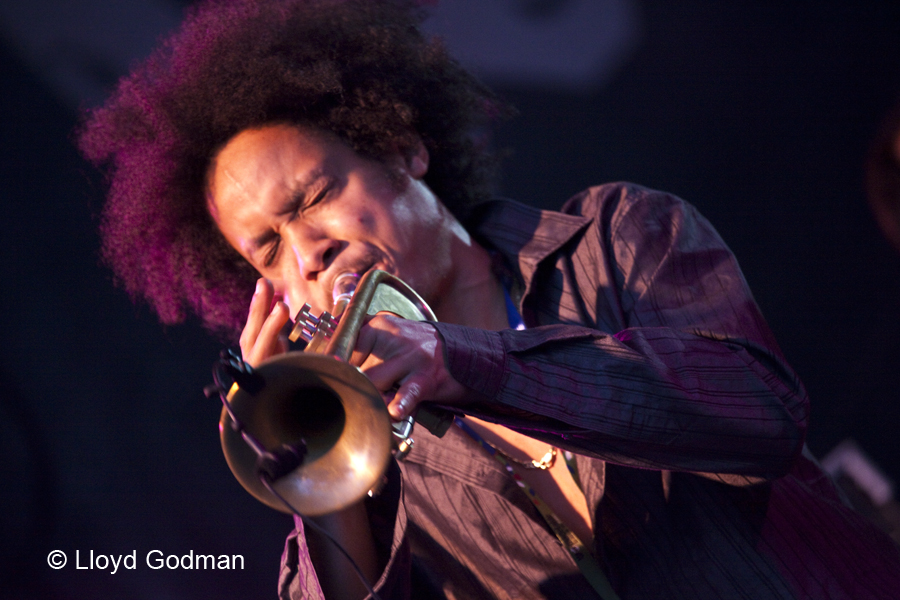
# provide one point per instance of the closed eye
(314, 200)
(298, 205)
(272, 251)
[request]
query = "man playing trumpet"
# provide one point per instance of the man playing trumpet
(607, 359)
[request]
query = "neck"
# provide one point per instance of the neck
(473, 295)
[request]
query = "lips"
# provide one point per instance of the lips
(346, 279)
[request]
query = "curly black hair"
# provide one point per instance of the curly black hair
(361, 70)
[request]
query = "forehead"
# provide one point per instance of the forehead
(257, 172)
(260, 161)
(275, 145)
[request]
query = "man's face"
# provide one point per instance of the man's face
(303, 208)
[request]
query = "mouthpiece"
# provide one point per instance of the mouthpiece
(344, 286)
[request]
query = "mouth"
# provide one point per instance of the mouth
(344, 285)
(346, 280)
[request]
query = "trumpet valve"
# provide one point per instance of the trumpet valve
(307, 325)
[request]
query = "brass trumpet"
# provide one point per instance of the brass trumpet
(317, 399)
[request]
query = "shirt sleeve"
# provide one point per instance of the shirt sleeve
(678, 369)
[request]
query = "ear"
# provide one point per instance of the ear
(416, 159)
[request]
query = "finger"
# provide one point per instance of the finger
(383, 353)
(366, 339)
(385, 375)
(269, 341)
(256, 316)
(390, 349)
(406, 399)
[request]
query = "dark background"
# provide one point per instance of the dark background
(759, 113)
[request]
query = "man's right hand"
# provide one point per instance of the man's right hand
(263, 335)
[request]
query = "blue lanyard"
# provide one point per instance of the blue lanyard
(512, 313)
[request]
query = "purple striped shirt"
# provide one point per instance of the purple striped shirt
(645, 355)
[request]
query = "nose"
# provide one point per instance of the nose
(311, 253)
(314, 257)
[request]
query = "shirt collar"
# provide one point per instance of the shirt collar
(525, 235)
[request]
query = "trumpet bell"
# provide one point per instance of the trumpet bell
(334, 409)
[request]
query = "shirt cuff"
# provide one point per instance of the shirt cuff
(475, 357)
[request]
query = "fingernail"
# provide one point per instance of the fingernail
(259, 286)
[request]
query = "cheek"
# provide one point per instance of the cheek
(367, 222)
(410, 215)
(298, 295)
(282, 295)
(414, 229)
(293, 296)
(292, 305)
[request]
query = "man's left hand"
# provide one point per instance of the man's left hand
(405, 360)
